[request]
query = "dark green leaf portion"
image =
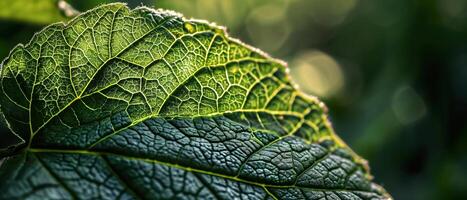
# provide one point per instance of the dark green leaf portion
(130, 104)
(24, 176)
(140, 162)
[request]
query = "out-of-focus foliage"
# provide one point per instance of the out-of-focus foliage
(31, 11)
(401, 96)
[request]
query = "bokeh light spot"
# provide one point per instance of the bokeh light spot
(407, 105)
(317, 73)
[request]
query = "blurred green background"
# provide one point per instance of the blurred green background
(392, 72)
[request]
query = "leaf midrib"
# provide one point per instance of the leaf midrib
(188, 168)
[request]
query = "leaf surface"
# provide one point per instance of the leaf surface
(145, 104)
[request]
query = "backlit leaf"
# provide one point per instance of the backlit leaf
(145, 104)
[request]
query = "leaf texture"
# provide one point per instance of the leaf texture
(145, 104)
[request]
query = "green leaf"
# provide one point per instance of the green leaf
(145, 104)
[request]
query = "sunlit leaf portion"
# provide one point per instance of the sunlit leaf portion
(144, 104)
